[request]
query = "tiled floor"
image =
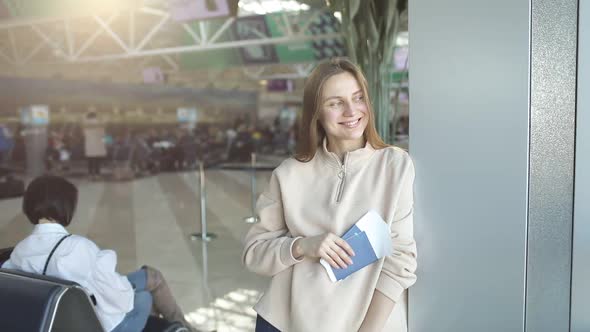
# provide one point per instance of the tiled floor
(150, 220)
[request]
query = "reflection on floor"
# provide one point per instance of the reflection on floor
(149, 221)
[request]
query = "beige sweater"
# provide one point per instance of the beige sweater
(326, 195)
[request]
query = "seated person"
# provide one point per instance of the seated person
(123, 303)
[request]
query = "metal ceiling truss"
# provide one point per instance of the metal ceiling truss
(69, 46)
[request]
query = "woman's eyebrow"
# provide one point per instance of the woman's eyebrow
(332, 97)
(340, 97)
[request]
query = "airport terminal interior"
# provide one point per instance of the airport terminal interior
(197, 102)
(170, 116)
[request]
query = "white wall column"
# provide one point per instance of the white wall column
(580, 320)
(492, 114)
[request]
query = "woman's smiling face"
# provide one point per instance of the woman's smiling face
(343, 109)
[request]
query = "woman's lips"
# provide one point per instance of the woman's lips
(351, 124)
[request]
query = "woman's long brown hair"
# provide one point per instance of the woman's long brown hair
(311, 132)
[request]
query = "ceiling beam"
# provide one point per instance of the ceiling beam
(192, 33)
(287, 23)
(69, 37)
(137, 46)
(221, 30)
(6, 57)
(208, 47)
(132, 29)
(53, 44)
(92, 38)
(32, 53)
(13, 45)
(152, 32)
(105, 26)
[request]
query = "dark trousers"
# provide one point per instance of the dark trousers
(264, 326)
(93, 165)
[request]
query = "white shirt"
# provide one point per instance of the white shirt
(94, 144)
(77, 259)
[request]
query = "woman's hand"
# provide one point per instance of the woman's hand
(328, 246)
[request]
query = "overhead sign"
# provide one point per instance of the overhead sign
(254, 27)
(35, 115)
(280, 85)
(153, 75)
(322, 24)
(186, 114)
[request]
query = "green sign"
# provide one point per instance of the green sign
(317, 24)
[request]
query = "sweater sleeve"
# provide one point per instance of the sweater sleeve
(399, 268)
(268, 243)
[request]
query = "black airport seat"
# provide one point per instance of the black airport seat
(36, 303)
(30, 302)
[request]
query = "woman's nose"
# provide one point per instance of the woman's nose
(348, 109)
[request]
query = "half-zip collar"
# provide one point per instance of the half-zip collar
(341, 177)
(352, 160)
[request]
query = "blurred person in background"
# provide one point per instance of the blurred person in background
(94, 144)
(6, 144)
(230, 136)
(256, 139)
(58, 153)
(141, 156)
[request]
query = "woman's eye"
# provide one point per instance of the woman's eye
(359, 98)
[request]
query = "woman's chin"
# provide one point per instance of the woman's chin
(355, 136)
(355, 133)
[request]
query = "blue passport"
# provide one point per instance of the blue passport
(364, 255)
(369, 238)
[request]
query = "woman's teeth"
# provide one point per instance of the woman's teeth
(351, 124)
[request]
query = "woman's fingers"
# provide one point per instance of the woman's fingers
(332, 249)
(339, 262)
(331, 261)
(344, 245)
(338, 255)
(341, 253)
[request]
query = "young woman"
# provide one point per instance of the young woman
(342, 170)
(123, 303)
